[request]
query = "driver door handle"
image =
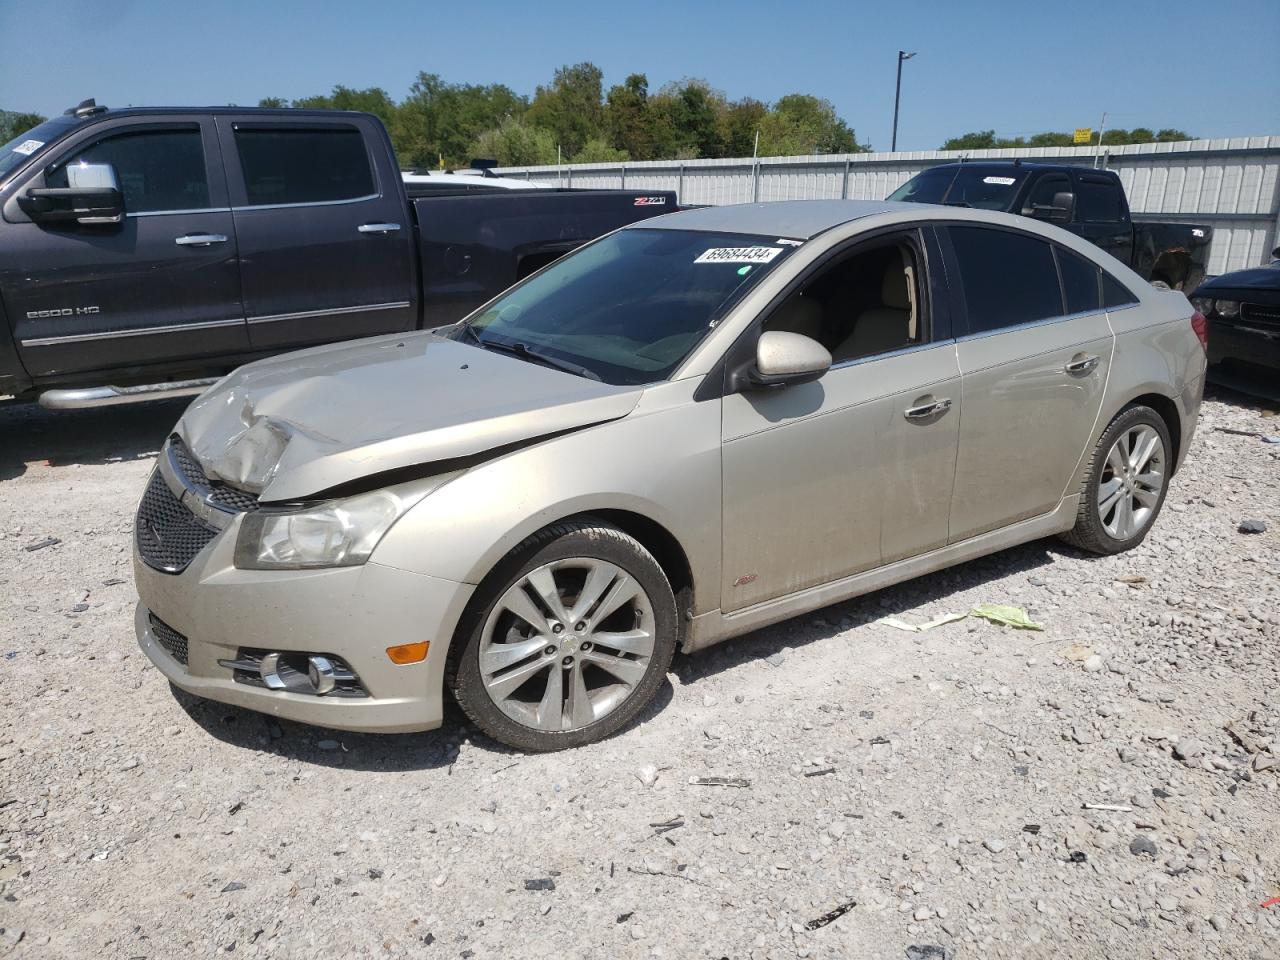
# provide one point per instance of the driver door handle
(1082, 365)
(378, 227)
(200, 239)
(927, 410)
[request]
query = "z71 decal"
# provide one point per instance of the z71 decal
(650, 202)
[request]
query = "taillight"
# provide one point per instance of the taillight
(1201, 326)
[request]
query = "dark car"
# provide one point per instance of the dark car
(1243, 309)
(1090, 203)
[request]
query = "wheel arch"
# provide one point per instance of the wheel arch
(653, 535)
(1167, 407)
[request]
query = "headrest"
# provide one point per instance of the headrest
(893, 289)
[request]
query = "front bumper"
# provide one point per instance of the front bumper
(353, 613)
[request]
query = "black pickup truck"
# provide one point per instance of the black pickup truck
(1089, 203)
(145, 252)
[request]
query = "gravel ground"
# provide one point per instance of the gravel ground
(933, 786)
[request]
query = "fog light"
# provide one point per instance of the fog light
(409, 652)
(321, 674)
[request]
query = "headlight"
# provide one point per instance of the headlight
(338, 534)
(1227, 308)
(1203, 304)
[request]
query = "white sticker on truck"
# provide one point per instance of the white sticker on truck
(738, 255)
(1002, 181)
(28, 147)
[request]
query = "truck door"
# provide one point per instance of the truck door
(326, 243)
(162, 284)
(1102, 215)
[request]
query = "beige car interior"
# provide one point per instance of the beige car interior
(863, 305)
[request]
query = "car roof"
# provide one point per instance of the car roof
(796, 219)
(1017, 165)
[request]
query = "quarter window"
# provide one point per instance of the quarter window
(1079, 281)
(157, 169)
(301, 165)
(1114, 293)
(1100, 201)
(1009, 278)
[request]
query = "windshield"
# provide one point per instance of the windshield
(24, 145)
(630, 307)
(989, 188)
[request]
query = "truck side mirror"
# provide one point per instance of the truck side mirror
(92, 196)
(1059, 211)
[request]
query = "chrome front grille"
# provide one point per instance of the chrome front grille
(182, 510)
(1263, 314)
(174, 643)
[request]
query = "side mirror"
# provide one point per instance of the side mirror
(92, 195)
(783, 359)
(1060, 211)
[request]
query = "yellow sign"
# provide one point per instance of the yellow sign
(1083, 135)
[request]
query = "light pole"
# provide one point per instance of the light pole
(897, 96)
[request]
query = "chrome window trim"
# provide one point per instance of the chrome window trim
(331, 312)
(913, 348)
(1047, 321)
(138, 332)
(310, 203)
(174, 213)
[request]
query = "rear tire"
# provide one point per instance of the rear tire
(567, 640)
(1125, 483)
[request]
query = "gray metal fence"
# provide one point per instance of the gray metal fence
(1232, 185)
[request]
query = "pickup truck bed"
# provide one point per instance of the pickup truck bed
(145, 252)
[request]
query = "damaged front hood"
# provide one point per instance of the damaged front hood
(295, 425)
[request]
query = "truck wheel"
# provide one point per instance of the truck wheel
(567, 640)
(1125, 484)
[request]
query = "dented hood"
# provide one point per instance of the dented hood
(298, 424)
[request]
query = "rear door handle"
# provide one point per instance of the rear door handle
(378, 227)
(200, 239)
(927, 410)
(1082, 365)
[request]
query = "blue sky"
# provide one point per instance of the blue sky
(1212, 68)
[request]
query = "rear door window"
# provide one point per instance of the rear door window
(158, 170)
(1009, 278)
(1079, 281)
(303, 165)
(1100, 200)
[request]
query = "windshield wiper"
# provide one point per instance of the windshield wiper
(525, 353)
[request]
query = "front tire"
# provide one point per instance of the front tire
(567, 640)
(1125, 484)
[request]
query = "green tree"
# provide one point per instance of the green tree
(439, 122)
(738, 125)
(599, 150)
(276, 103)
(572, 107)
(627, 120)
(803, 124)
(14, 123)
(516, 143)
(977, 140)
(987, 139)
(686, 117)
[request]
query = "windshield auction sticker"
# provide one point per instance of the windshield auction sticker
(28, 147)
(738, 255)
(1001, 181)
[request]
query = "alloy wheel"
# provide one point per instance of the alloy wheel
(567, 643)
(1131, 483)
